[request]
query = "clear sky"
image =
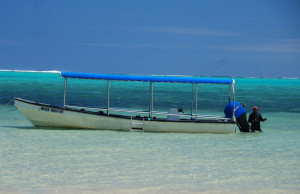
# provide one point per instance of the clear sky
(201, 37)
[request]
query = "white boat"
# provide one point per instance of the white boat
(67, 116)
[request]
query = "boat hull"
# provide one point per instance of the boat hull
(43, 115)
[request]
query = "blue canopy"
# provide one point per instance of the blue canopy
(170, 79)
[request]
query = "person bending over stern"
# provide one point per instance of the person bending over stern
(254, 119)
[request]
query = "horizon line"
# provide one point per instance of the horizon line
(249, 77)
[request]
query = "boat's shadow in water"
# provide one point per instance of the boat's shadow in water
(55, 128)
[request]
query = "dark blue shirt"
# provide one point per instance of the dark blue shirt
(254, 119)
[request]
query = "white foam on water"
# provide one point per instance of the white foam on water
(32, 71)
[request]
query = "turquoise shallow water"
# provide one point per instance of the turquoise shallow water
(37, 160)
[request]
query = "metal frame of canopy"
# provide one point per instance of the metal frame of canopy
(151, 79)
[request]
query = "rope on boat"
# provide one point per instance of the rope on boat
(6, 105)
(8, 111)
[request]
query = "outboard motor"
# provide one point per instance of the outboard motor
(240, 115)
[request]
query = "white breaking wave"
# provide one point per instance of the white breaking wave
(51, 71)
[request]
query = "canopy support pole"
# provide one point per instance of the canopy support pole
(233, 91)
(192, 100)
(150, 99)
(196, 101)
(107, 97)
(65, 92)
(229, 93)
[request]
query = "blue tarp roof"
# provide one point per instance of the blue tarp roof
(169, 79)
